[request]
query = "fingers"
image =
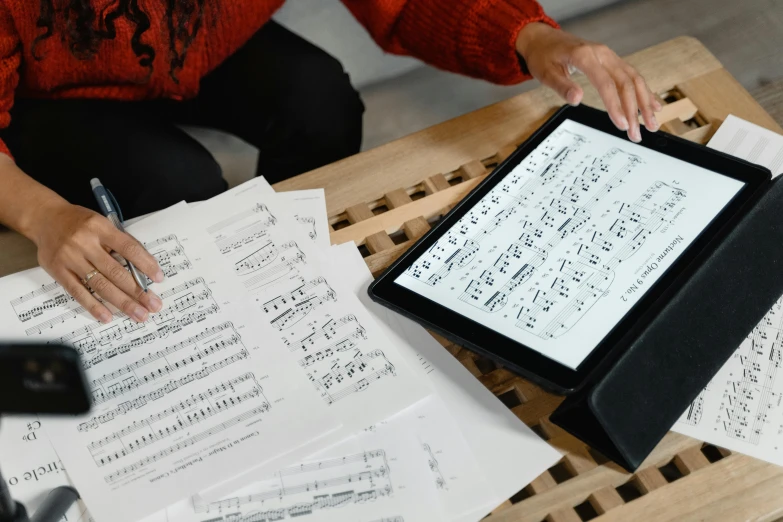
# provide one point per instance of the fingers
(132, 251)
(585, 58)
(627, 90)
(561, 82)
(108, 291)
(123, 280)
(74, 286)
(648, 105)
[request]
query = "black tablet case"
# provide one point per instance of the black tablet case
(626, 411)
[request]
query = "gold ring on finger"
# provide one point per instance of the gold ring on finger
(90, 276)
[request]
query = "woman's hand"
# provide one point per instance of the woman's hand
(551, 53)
(74, 241)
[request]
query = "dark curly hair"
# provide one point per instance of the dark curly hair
(83, 29)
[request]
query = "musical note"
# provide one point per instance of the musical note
(292, 307)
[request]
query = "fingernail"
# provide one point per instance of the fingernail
(571, 97)
(155, 303)
(654, 124)
(636, 135)
(140, 314)
(658, 106)
(158, 277)
(104, 317)
(623, 123)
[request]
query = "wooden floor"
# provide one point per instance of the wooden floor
(745, 35)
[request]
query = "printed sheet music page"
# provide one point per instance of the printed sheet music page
(324, 336)
(180, 402)
(564, 246)
(741, 409)
(381, 473)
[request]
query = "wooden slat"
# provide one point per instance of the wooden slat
(702, 496)
(435, 183)
(563, 515)
(358, 212)
(605, 499)
(471, 170)
(390, 221)
(379, 242)
(691, 460)
(701, 135)
(679, 111)
(397, 198)
(378, 262)
(717, 94)
(541, 483)
(649, 479)
(415, 228)
(675, 127)
(503, 153)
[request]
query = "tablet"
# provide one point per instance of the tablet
(570, 244)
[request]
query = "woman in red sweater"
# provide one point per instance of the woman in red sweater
(96, 88)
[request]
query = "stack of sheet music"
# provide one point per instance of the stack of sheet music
(268, 388)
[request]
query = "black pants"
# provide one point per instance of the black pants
(279, 93)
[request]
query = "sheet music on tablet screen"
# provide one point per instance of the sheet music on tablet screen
(563, 247)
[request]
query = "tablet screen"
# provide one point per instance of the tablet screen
(563, 247)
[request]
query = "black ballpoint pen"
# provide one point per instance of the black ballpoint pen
(111, 210)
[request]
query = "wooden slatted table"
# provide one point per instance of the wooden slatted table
(386, 198)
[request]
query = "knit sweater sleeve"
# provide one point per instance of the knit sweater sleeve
(472, 37)
(10, 58)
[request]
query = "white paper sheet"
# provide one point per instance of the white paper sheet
(308, 209)
(380, 473)
(331, 342)
(750, 142)
(30, 466)
(741, 408)
(507, 453)
(302, 209)
(189, 393)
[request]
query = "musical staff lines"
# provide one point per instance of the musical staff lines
(754, 394)
(170, 421)
(304, 490)
(309, 222)
(185, 443)
(52, 298)
(277, 268)
(127, 377)
(695, 410)
(256, 260)
(259, 212)
(291, 307)
(344, 333)
(342, 379)
(440, 480)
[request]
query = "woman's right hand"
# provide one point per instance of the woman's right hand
(74, 241)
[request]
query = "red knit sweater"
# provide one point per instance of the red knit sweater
(472, 37)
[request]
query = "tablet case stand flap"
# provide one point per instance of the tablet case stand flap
(627, 410)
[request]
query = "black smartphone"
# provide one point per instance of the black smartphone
(42, 379)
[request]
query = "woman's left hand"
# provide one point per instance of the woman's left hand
(550, 54)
